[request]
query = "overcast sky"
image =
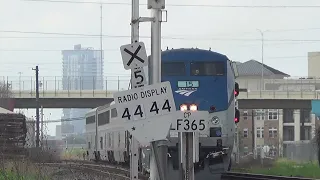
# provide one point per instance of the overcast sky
(293, 32)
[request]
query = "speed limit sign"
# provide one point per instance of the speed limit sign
(191, 121)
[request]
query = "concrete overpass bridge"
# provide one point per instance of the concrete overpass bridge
(56, 92)
(94, 98)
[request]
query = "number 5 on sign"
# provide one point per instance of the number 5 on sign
(138, 77)
(189, 121)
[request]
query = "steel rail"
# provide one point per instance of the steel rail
(100, 168)
(244, 176)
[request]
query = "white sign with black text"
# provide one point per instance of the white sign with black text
(134, 55)
(145, 102)
(191, 121)
(138, 78)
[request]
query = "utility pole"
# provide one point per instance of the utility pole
(42, 131)
(134, 145)
(262, 56)
(37, 107)
(101, 50)
(19, 80)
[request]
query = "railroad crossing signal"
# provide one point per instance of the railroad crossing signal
(134, 55)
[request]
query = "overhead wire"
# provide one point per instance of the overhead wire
(119, 62)
(180, 5)
(163, 37)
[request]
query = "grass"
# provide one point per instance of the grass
(20, 169)
(284, 167)
(8, 175)
(74, 153)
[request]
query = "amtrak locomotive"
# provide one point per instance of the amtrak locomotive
(205, 81)
(201, 80)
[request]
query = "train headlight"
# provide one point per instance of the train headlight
(193, 107)
(183, 107)
(215, 120)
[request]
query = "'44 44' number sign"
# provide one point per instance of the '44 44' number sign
(154, 110)
(145, 102)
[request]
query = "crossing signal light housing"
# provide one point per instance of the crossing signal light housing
(236, 116)
(236, 89)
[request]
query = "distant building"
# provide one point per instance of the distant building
(58, 132)
(82, 69)
(313, 64)
(274, 128)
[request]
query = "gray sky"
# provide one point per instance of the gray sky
(228, 30)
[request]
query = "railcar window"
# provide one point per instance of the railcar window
(173, 69)
(104, 118)
(207, 68)
(90, 120)
(114, 113)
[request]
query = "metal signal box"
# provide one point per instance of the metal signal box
(156, 4)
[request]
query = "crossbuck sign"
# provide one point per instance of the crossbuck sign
(134, 55)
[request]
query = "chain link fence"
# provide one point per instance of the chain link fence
(301, 151)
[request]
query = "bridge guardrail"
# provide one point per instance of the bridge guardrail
(122, 82)
(308, 95)
(65, 94)
(303, 95)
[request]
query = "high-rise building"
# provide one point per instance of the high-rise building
(82, 69)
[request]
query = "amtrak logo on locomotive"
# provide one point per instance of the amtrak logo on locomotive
(185, 92)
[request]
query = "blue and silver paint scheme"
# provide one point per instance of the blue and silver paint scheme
(206, 79)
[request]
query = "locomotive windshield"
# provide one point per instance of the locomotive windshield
(173, 69)
(207, 68)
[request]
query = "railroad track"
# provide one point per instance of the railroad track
(244, 176)
(107, 170)
(97, 168)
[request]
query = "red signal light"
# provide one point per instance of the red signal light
(236, 116)
(236, 89)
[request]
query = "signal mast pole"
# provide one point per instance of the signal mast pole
(158, 159)
(134, 145)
